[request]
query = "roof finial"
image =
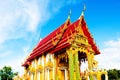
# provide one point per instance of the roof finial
(84, 8)
(69, 14)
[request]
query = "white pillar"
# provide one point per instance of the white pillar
(48, 74)
(65, 74)
(106, 77)
(54, 66)
(32, 76)
(43, 63)
(53, 73)
(38, 75)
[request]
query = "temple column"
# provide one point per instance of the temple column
(98, 75)
(77, 69)
(106, 76)
(54, 67)
(65, 74)
(36, 66)
(73, 64)
(48, 72)
(90, 66)
(43, 63)
(89, 57)
(25, 73)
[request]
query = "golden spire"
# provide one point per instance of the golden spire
(69, 14)
(84, 8)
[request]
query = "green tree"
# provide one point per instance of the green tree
(6, 73)
(118, 71)
(113, 74)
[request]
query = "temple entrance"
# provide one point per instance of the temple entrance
(81, 55)
(62, 66)
(63, 74)
(83, 64)
(103, 77)
(82, 61)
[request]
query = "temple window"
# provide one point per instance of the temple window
(49, 67)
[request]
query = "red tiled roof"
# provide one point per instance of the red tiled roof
(46, 44)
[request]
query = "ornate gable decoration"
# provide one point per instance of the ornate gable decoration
(58, 36)
(77, 37)
(63, 37)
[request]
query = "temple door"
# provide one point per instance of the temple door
(61, 74)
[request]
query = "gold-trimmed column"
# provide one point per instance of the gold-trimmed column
(76, 63)
(36, 66)
(90, 57)
(43, 63)
(106, 76)
(66, 78)
(74, 70)
(56, 71)
(71, 64)
(54, 67)
(25, 74)
(44, 71)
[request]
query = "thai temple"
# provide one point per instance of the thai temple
(59, 55)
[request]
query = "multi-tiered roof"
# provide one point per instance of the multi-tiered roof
(58, 39)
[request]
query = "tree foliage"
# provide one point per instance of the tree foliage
(6, 73)
(114, 74)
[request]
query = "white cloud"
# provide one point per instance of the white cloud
(109, 57)
(19, 19)
(15, 65)
(31, 9)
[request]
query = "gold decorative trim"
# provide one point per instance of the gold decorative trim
(40, 67)
(49, 64)
(32, 69)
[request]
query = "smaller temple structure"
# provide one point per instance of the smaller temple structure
(59, 55)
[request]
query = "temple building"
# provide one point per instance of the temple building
(60, 54)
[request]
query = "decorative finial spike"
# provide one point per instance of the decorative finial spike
(84, 8)
(69, 14)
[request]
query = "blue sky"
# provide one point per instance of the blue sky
(24, 22)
